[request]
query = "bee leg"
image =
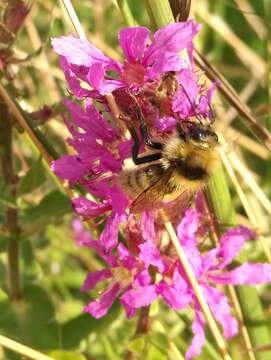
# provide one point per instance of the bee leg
(147, 139)
(145, 133)
(135, 150)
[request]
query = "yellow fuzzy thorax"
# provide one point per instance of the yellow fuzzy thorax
(193, 156)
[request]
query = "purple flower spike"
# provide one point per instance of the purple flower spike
(140, 263)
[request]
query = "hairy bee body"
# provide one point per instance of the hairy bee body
(187, 161)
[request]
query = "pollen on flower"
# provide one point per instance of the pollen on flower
(122, 276)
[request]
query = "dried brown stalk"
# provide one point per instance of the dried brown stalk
(250, 58)
(11, 181)
(232, 97)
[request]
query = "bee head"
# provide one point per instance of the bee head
(198, 136)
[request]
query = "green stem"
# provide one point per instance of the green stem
(252, 312)
(267, 11)
(142, 328)
(11, 212)
(159, 12)
(126, 12)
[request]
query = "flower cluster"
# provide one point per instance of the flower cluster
(131, 272)
(142, 266)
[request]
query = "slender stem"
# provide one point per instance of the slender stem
(126, 12)
(232, 97)
(74, 19)
(23, 123)
(11, 212)
(246, 205)
(22, 349)
(141, 328)
(34, 141)
(231, 289)
(195, 285)
(143, 321)
(160, 12)
(81, 34)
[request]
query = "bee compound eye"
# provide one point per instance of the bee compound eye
(215, 137)
(203, 135)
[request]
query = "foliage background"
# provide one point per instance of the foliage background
(48, 316)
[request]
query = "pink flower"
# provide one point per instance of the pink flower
(141, 265)
(100, 152)
(208, 270)
(145, 60)
(149, 72)
(129, 275)
(164, 83)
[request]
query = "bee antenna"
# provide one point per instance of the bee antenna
(191, 103)
(180, 130)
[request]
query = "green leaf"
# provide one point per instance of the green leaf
(33, 178)
(30, 320)
(3, 243)
(52, 207)
(66, 355)
(78, 328)
(137, 345)
(5, 196)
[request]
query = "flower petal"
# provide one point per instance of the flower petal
(83, 238)
(89, 209)
(91, 121)
(79, 52)
(94, 277)
(100, 307)
(70, 167)
(163, 54)
(74, 83)
(246, 274)
(150, 255)
(185, 97)
(136, 298)
(119, 200)
(186, 231)
(165, 123)
(199, 335)
(188, 227)
(125, 257)
(231, 243)
(142, 278)
(133, 41)
(147, 227)
(175, 295)
(221, 310)
(109, 236)
(96, 78)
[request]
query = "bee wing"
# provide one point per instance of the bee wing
(175, 209)
(152, 195)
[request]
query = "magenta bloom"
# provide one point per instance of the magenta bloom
(140, 265)
(208, 270)
(129, 275)
(101, 147)
(131, 280)
(146, 60)
(145, 72)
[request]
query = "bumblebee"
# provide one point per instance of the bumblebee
(179, 166)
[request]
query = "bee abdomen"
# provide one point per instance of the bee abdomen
(134, 181)
(138, 180)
